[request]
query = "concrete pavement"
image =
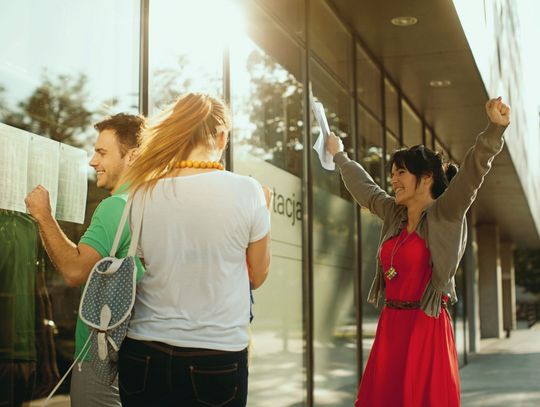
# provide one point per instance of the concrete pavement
(506, 373)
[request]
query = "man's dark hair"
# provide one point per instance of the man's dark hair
(128, 129)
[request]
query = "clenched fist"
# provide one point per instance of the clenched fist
(498, 112)
(38, 202)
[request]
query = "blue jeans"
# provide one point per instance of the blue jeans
(157, 374)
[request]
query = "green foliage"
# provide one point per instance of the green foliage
(275, 110)
(527, 265)
(171, 82)
(55, 109)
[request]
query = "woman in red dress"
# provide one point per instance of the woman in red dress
(413, 362)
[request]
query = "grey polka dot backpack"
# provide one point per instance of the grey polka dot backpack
(107, 301)
(106, 304)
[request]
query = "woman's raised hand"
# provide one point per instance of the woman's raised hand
(498, 112)
(334, 144)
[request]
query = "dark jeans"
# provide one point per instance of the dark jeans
(156, 374)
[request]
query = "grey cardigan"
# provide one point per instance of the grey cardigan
(443, 224)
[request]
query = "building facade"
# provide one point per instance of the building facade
(390, 74)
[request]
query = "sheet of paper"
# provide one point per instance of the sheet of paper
(44, 160)
(72, 184)
(14, 144)
(320, 144)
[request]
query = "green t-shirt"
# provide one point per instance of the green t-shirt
(100, 236)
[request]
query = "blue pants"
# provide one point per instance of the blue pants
(157, 374)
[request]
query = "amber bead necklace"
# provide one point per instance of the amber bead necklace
(208, 165)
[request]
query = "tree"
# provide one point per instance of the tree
(186, 76)
(56, 109)
(3, 104)
(527, 265)
(275, 109)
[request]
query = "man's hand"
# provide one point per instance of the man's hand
(334, 144)
(38, 203)
(498, 112)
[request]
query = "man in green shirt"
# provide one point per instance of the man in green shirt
(115, 148)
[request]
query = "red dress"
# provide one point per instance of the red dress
(413, 362)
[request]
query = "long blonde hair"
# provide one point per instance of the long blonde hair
(194, 120)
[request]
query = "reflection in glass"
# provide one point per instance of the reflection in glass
(370, 144)
(371, 229)
(56, 85)
(429, 139)
(391, 107)
(440, 149)
(267, 138)
(412, 127)
(458, 316)
(268, 108)
(368, 86)
(185, 54)
(331, 41)
(334, 259)
(337, 104)
(334, 310)
(392, 144)
(290, 12)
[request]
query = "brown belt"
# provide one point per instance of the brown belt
(397, 304)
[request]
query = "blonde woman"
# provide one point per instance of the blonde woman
(187, 339)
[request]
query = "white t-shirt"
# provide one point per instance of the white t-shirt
(195, 291)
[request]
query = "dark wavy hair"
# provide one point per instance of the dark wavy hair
(420, 161)
(128, 128)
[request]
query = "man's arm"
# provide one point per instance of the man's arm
(72, 261)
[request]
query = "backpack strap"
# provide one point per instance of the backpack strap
(125, 213)
(136, 222)
(80, 357)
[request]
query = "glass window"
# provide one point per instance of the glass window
(331, 41)
(177, 64)
(267, 143)
(334, 258)
(368, 82)
(338, 107)
(429, 138)
(412, 126)
(370, 233)
(392, 144)
(440, 148)
(268, 121)
(370, 133)
(59, 73)
(458, 316)
(291, 13)
(391, 107)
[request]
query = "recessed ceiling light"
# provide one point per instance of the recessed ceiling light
(404, 21)
(440, 83)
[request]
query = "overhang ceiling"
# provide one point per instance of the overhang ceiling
(436, 49)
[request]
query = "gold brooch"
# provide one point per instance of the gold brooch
(390, 273)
